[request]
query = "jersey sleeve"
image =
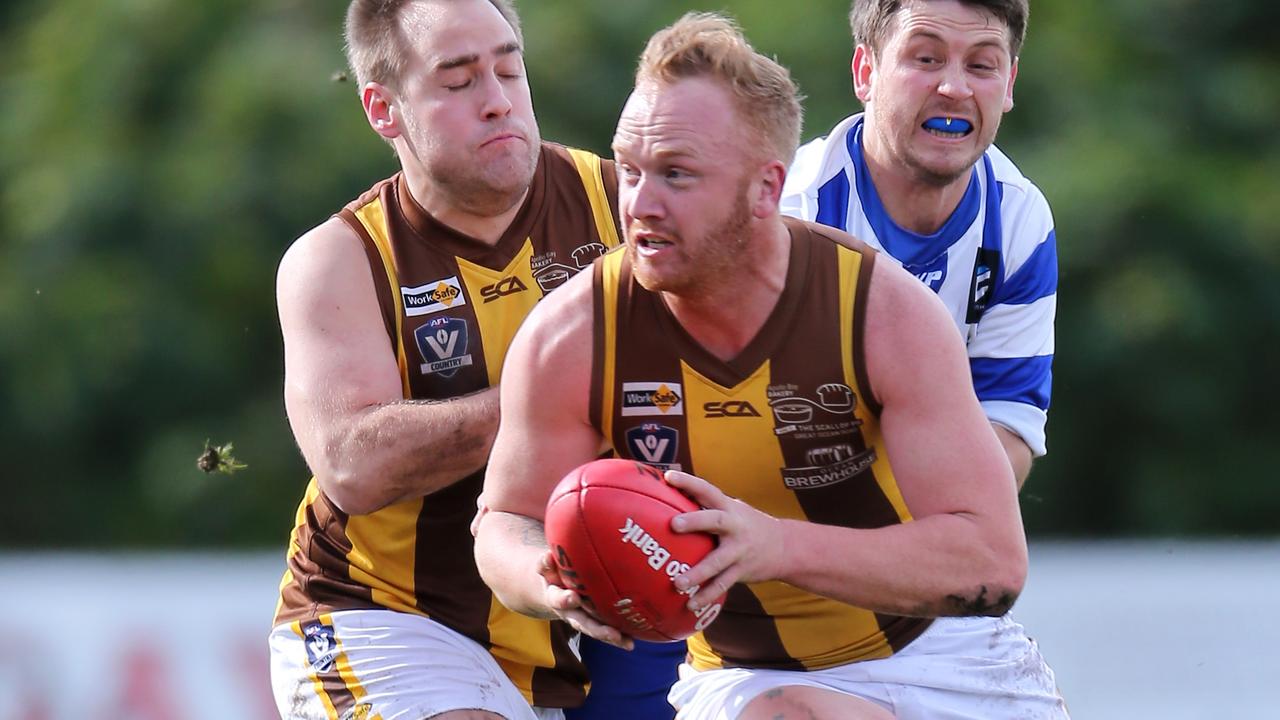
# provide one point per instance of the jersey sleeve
(1011, 347)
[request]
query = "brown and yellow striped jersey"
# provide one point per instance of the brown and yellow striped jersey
(451, 306)
(789, 426)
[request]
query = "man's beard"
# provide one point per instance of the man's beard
(717, 254)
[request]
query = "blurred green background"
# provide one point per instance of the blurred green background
(156, 158)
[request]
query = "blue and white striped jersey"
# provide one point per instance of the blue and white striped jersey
(994, 263)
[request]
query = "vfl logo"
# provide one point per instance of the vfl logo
(506, 286)
(931, 273)
(322, 647)
(651, 398)
(443, 344)
(729, 408)
(655, 445)
(433, 297)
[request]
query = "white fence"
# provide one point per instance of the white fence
(1174, 631)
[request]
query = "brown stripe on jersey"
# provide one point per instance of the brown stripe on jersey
(566, 686)
(860, 308)
(446, 580)
(899, 631)
(381, 286)
(335, 688)
(321, 572)
(856, 501)
(745, 635)
(599, 307)
(643, 355)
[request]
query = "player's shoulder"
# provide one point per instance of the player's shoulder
(571, 157)
(821, 158)
(1018, 188)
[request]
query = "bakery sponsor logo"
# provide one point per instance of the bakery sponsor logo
(651, 398)
(655, 445)
(583, 255)
(433, 297)
(828, 466)
(506, 286)
(830, 412)
(443, 344)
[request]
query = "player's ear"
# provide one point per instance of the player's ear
(1008, 92)
(381, 109)
(863, 70)
(767, 189)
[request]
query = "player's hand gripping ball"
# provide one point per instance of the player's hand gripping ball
(609, 525)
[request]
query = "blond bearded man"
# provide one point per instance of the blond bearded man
(869, 533)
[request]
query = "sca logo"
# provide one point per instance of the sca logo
(506, 286)
(729, 408)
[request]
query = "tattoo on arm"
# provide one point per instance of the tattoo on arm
(532, 532)
(981, 605)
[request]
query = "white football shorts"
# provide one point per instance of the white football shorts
(959, 669)
(380, 664)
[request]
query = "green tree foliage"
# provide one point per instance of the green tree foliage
(158, 156)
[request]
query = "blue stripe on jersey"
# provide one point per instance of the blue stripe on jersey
(833, 202)
(908, 247)
(993, 227)
(1037, 278)
(1026, 380)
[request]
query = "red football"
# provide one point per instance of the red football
(609, 523)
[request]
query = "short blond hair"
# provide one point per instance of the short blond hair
(712, 45)
(376, 41)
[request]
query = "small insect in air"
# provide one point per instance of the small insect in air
(338, 77)
(218, 458)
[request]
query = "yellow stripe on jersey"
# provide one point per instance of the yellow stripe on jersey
(588, 166)
(724, 439)
(850, 263)
(373, 217)
(509, 630)
(321, 693)
(501, 300)
(390, 535)
(612, 270)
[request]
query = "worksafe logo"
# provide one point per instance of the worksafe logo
(651, 398)
(433, 297)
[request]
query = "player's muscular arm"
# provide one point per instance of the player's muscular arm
(367, 446)
(545, 432)
(1017, 451)
(963, 553)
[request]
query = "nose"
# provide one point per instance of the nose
(641, 200)
(954, 84)
(496, 104)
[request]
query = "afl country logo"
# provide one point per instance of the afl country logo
(651, 398)
(433, 297)
(655, 445)
(322, 647)
(443, 344)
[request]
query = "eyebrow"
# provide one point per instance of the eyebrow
(461, 60)
(930, 35)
